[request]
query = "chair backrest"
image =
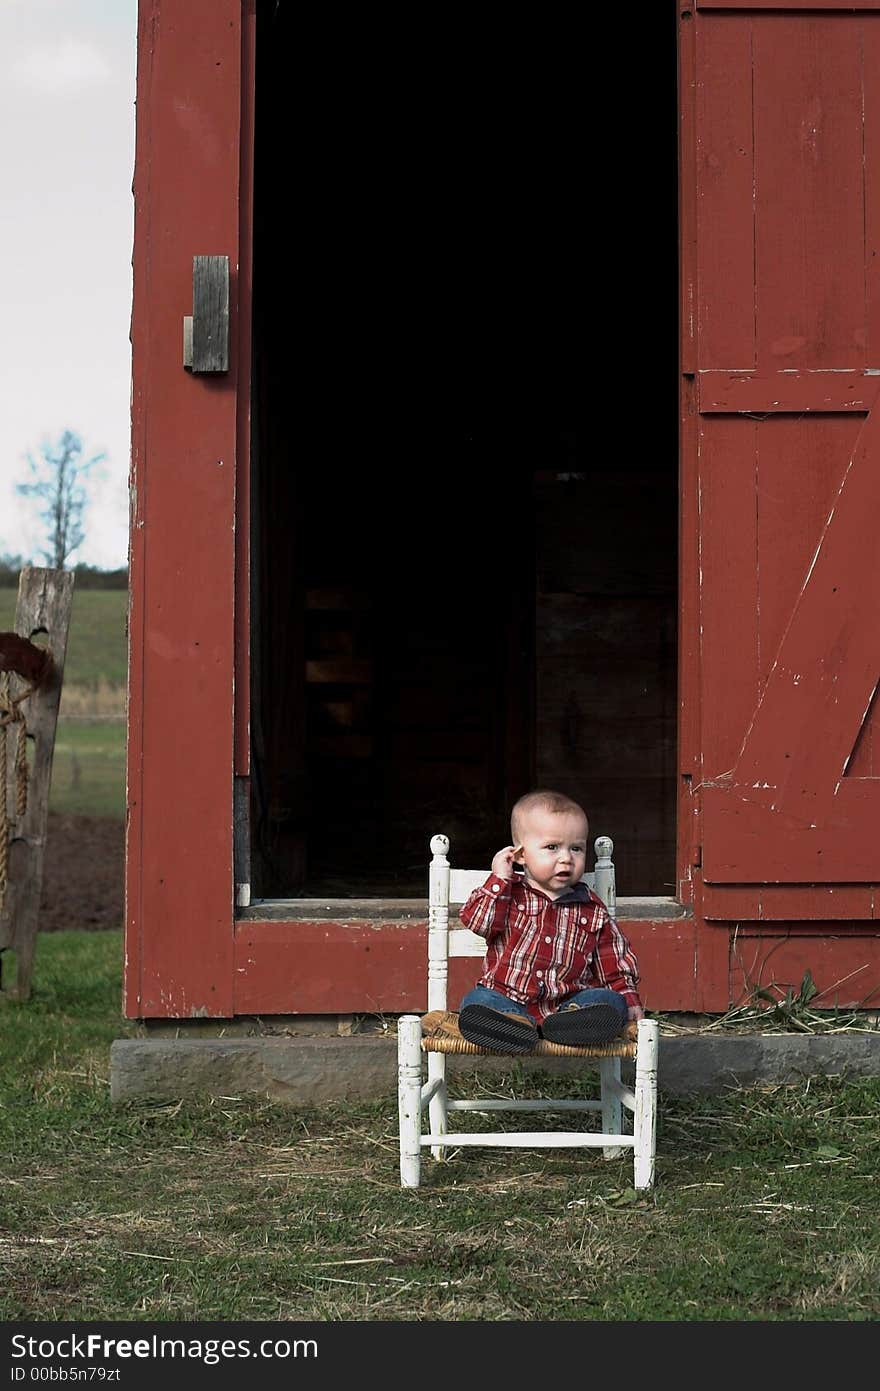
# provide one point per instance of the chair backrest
(449, 886)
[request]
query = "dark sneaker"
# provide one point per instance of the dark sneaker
(506, 1033)
(579, 1027)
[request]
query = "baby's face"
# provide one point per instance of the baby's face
(553, 848)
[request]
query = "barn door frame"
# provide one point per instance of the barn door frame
(188, 531)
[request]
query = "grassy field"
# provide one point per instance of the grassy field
(96, 643)
(767, 1205)
(88, 772)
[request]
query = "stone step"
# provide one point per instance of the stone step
(306, 1071)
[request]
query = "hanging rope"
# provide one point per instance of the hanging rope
(33, 664)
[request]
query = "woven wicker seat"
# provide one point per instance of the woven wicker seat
(436, 1035)
(440, 1035)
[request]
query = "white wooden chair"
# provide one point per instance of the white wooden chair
(453, 886)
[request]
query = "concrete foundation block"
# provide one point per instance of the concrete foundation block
(303, 1071)
(707, 1063)
(308, 1071)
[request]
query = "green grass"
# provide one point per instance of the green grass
(766, 1206)
(88, 769)
(96, 643)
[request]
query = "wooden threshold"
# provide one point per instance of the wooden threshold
(416, 909)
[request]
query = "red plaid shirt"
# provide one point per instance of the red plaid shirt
(542, 950)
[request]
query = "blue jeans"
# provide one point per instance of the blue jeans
(494, 999)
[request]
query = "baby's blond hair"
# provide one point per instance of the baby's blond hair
(555, 802)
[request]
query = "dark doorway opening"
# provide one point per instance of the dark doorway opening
(464, 546)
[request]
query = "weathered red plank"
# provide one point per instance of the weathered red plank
(787, 391)
(864, 759)
(179, 849)
(845, 968)
(824, 674)
(712, 991)
(833, 5)
(243, 413)
(809, 259)
(364, 967)
(729, 589)
(687, 194)
(374, 967)
(871, 96)
(688, 829)
(781, 902)
(800, 467)
(136, 542)
(731, 903)
(725, 180)
(667, 952)
(862, 763)
(749, 841)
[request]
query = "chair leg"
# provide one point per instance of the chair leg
(409, 1097)
(645, 1119)
(437, 1104)
(609, 1070)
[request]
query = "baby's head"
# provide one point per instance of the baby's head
(549, 833)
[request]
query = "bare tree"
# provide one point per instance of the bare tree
(58, 485)
(10, 569)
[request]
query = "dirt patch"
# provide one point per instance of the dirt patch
(83, 874)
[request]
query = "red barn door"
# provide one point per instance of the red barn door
(784, 358)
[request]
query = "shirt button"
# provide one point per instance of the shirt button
(494, 888)
(539, 973)
(583, 920)
(548, 939)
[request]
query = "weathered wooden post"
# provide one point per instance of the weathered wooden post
(29, 700)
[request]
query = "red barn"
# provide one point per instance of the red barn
(485, 435)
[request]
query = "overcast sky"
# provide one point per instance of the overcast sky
(67, 89)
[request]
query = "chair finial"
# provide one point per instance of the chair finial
(439, 845)
(604, 847)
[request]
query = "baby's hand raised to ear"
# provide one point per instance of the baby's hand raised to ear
(502, 865)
